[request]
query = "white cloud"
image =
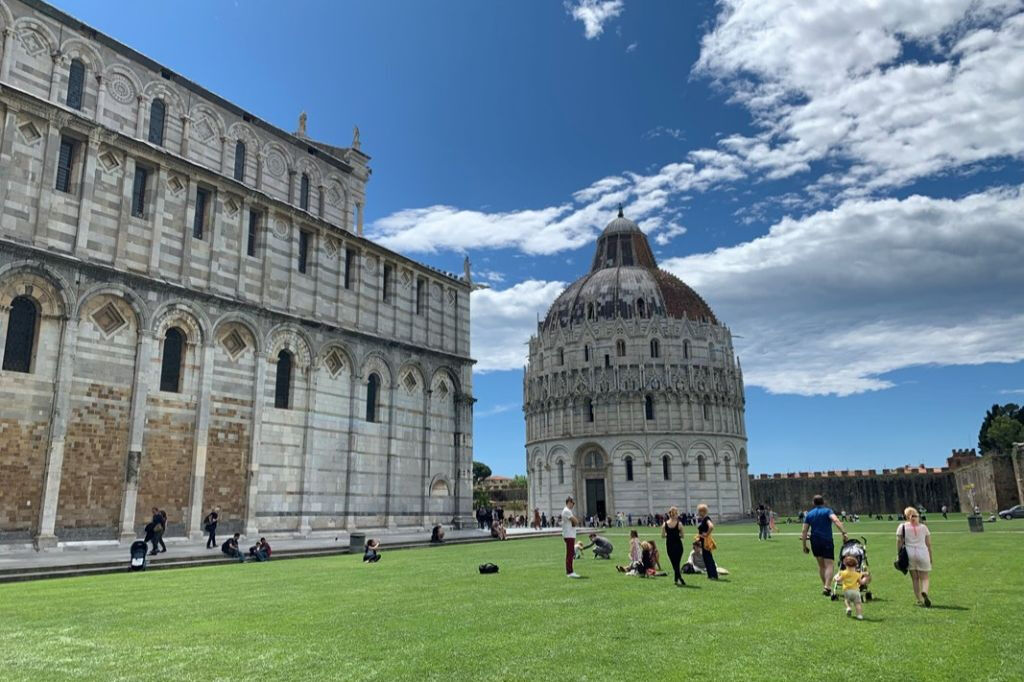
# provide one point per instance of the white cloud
(671, 231)
(492, 276)
(631, 47)
(659, 131)
(830, 302)
(502, 322)
(495, 409)
(1012, 391)
(593, 14)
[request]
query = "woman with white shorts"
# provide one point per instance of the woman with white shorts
(916, 537)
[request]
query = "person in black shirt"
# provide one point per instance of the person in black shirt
(230, 548)
(210, 524)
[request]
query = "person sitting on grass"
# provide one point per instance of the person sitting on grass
(634, 553)
(602, 548)
(656, 560)
(371, 553)
(230, 548)
(437, 534)
(498, 531)
(695, 562)
(850, 580)
(260, 551)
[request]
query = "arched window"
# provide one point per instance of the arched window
(655, 348)
(702, 471)
(76, 84)
(590, 311)
(711, 352)
(283, 383)
(641, 308)
(561, 472)
(174, 357)
(686, 350)
(707, 411)
(22, 324)
(372, 397)
(666, 467)
(620, 348)
(593, 460)
(649, 408)
(728, 469)
(304, 192)
(561, 356)
(240, 161)
(588, 409)
(629, 468)
(157, 116)
(586, 353)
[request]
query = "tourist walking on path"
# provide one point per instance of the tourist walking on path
(818, 523)
(672, 531)
(210, 524)
(569, 523)
(536, 519)
(917, 539)
(762, 522)
(707, 543)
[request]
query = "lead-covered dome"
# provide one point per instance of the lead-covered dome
(625, 281)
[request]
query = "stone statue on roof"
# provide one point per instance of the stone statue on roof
(355, 137)
(302, 125)
(466, 268)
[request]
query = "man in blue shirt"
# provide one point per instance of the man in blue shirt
(818, 521)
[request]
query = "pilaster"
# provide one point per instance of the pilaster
(260, 373)
(202, 434)
(389, 519)
(350, 520)
(136, 433)
(305, 526)
(85, 201)
(5, 63)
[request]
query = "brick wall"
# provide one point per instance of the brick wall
(885, 494)
(165, 472)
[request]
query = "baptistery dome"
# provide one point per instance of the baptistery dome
(632, 396)
(624, 282)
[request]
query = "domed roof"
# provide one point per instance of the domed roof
(625, 281)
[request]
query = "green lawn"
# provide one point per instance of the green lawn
(427, 614)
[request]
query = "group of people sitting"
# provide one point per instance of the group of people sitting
(259, 552)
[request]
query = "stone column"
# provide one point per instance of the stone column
(718, 488)
(85, 201)
(5, 64)
(186, 233)
(202, 435)
(224, 156)
(686, 484)
(124, 215)
(101, 96)
(243, 245)
(7, 146)
(647, 477)
(389, 521)
(58, 60)
(425, 456)
(46, 187)
(305, 526)
(320, 201)
(259, 170)
(45, 536)
(140, 117)
(291, 186)
(350, 521)
(359, 207)
(158, 221)
(256, 435)
(186, 132)
(137, 430)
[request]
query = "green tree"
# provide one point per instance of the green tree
(1003, 432)
(481, 499)
(480, 472)
(1011, 410)
(519, 481)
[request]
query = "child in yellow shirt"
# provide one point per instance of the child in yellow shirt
(850, 579)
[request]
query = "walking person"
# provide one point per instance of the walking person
(569, 523)
(159, 531)
(672, 531)
(818, 524)
(917, 539)
(762, 523)
(155, 532)
(210, 524)
(707, 543)
(945, 509)
(771, 522)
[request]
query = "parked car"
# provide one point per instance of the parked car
(1014, 512)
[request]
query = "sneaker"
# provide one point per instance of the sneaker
(849, 611)
(826, 592)
(620, 569)
(860, 617)
(927, 601)
(574, 574)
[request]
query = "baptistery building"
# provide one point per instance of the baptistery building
(632, 395)
(191, 317)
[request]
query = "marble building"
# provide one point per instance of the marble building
(633, 397)
(191, 318)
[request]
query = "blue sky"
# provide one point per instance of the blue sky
(842, 181)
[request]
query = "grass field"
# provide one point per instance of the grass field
(427, 614)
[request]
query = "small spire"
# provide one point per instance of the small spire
(620, 210)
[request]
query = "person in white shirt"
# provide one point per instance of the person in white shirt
(569, 523)
(916, 537)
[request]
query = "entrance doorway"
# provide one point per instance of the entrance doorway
(595, 498)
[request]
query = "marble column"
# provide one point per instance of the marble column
(202, 434)
(186, 133)
(389, 489)
(85, 201)
(136, 433)
(256, 435)
(350, 521)
(305, 525)
(425, 456)
(45, 536)
(8, 42)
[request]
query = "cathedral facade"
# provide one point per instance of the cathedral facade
(190, 317)
(632, 395)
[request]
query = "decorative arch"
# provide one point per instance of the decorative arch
(203, 109)
(667, 447)
(183, 315)
(76, 48)
(276, 148)
(376, 361)
(440, 486)
(335, 358)
(304, 165)
(559, 451)
(337, 193)
(704, 445)
(244, 132)
(27, 24)
(47, 288)
(292, 339)
(242, 320)
(445, 373)
(410, 378)
(6, 18)
(154, 89)
(137, 304)
(630, 447)
(126, 90)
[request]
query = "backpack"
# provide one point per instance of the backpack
(488, 568)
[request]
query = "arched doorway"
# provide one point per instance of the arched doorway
(592, 482)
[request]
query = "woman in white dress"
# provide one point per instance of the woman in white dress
(916, 537)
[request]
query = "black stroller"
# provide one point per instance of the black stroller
(138, 553)
(857, 548)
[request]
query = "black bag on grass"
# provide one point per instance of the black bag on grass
(488, 568)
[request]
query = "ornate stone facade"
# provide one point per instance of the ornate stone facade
(632, 396)
(191, 318)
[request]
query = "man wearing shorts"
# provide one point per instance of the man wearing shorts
(818, 522)
(569, 523)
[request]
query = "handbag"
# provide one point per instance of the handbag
(902, 562)
(709, 543)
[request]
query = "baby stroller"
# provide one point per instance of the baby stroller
(138, 553)
(857, 548)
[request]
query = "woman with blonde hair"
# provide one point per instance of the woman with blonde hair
(672, 531)
(916, 538)
(707, 543)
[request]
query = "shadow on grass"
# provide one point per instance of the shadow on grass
(949, 607)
